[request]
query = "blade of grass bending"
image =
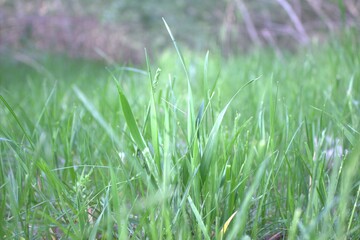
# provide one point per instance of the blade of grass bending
(17, 121)
(96, 115)
(190, 112)
(177, 50)
(198, 218)
(134, 70)
(212, 141)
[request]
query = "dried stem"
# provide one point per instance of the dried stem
(250, 27)
(295, 20)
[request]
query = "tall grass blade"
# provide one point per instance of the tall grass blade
(190, 110)
(153, 112)
(137, 136)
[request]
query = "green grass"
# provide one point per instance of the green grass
(91, 152)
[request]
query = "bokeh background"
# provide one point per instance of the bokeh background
(119, 30)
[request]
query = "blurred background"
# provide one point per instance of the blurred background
(118, 31)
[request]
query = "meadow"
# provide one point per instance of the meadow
(188, 146)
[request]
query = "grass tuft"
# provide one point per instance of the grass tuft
(183, 152)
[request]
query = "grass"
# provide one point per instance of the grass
(202, 148)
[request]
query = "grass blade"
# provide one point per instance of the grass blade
(198, 218)
(96, 115)
(7, 105)
(190, 111)
(210, 146)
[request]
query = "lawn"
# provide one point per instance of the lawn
(188, 146)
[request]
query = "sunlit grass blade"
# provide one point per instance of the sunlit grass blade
(227, 223)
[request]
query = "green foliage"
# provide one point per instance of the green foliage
(88, 152)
